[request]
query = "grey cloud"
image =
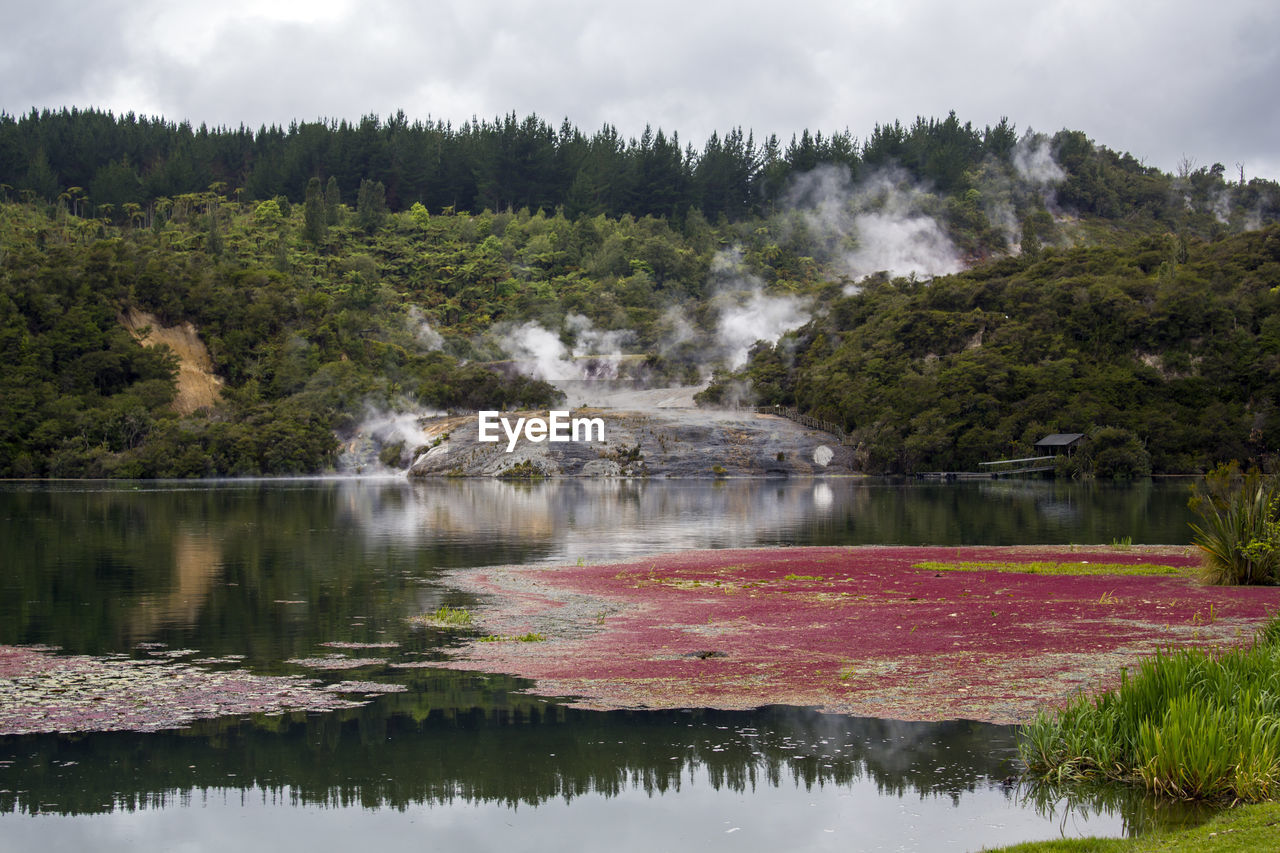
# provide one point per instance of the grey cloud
(1158, 79)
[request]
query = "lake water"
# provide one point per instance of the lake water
(270, 570)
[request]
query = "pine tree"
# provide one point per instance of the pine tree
(371, 205)
(315, 222)
(332, 201)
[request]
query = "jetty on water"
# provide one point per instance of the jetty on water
(1057, 445)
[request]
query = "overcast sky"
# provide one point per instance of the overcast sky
(1162, 80)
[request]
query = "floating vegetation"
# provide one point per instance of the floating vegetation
(335, 662)
(365, 687)
(1052, 568)
(445, 616)
(337, 644)
(531, 637)
(223, 659)
(43, 692)
(874, 638)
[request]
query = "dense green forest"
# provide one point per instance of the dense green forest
(1165, 353)
(101, 165)
(336, 269)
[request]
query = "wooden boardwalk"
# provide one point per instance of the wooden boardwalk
(1014, 468)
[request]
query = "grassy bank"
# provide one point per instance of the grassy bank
(1189, 724)
(1247, 828)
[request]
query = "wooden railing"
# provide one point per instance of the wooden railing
(807, 420)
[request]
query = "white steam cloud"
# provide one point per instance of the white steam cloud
(677, 331)
(1035, 175)
(382, 428)
(746, 312)
(1034, 163)
(392, 427)
(538, 352)
(426, 336)
(879, 225)
(759, 317)
(596, 343)
(542, 354)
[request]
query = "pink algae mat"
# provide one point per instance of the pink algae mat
(848, 630)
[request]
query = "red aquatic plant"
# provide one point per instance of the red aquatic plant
(863, 630)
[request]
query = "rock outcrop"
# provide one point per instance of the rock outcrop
(659, 443)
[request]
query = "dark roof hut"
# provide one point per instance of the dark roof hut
(1060, 442)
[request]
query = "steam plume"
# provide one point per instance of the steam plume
(880, 225)
(746, 312)
(542, 354)
(428, 337)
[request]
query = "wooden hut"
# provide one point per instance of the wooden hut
(1059, 443)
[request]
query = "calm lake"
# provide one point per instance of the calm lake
(270, 570)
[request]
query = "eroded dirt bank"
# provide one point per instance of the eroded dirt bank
(198, 386)
(865, 631)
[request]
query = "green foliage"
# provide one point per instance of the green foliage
(1159, 326)
(1240, 829)
(446, 616)
(1239, 530)
(1188, 724)
(1167, 370)
(1116, 454)
(304, 349)
(507, 163)
(371, 205)
(1046, 568)
(332, 202)
(524, 470)
(315, 222)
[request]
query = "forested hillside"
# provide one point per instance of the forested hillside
(100, 165)
(1165, 352)
(945, 292)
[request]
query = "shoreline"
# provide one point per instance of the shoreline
(854, 630)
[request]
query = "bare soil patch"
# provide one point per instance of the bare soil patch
(198, 386)
(850, 630)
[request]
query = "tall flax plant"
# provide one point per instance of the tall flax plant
(1239, 530)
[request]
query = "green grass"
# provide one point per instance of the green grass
(1188, 724)
(531, 637)
(1246, 828)
(1052, 568)
(444, 615)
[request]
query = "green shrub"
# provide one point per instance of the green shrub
(1239, 530)
(1118, 454)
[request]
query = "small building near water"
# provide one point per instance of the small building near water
(1060, 442)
